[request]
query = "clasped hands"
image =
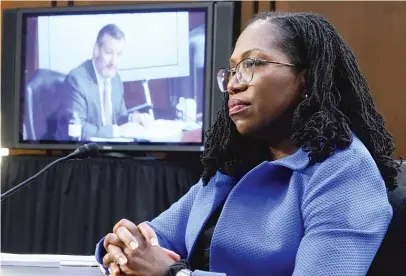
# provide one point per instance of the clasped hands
(134, 250)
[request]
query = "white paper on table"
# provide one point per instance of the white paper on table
(159, 130)
(42, 260)
(116, 140)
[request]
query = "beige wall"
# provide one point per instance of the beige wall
(376, 32)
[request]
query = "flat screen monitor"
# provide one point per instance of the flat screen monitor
(125, 76)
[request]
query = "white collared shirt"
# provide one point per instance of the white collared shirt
(101, 82)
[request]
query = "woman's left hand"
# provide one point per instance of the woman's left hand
(142, 258)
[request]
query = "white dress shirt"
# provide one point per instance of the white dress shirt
(101, 83)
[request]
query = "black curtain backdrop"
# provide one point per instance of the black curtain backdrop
(69, 208)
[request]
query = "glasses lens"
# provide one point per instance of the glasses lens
(223, 76)
(245, 71)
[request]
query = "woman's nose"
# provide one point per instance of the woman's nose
(234, 86)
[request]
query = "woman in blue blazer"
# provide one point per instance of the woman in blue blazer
(296, 167)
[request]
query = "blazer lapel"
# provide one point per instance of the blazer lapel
(206, 201)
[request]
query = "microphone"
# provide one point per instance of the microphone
(84, 151)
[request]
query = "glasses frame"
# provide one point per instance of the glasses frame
(233, 71)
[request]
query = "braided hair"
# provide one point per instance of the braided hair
(339, 103)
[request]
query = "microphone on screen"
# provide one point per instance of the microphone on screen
(84, 151)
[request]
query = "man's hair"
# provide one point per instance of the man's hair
(111, 30)
(338, 103)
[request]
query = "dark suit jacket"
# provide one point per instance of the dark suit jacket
(83, 96)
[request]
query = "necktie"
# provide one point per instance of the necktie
(107, 104)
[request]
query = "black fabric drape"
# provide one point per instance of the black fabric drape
(69, 208)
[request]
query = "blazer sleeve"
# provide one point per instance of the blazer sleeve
(346, 214)
(169, 226)
(77, 102)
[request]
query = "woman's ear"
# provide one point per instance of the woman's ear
(303, 80)
(304, 93)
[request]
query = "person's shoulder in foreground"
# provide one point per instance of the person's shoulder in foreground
(350, 176)
(353, 162)
(346, 213)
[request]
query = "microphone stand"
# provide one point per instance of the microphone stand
(81, 152)
(29, 180)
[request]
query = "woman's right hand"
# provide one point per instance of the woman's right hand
(115, 257)
(150, 236)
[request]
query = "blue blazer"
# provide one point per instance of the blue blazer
(286, 218)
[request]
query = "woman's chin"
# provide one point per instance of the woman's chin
(252, 129)
(244, 127)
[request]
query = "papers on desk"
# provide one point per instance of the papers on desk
(158, 130)
(162, 131)
(114, 140)
(39, 260)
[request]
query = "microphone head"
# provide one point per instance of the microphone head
(92, 149)
(87, 150)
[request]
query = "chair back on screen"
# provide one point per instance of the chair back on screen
(43, 98)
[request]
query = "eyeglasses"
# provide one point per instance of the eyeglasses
(244, 71)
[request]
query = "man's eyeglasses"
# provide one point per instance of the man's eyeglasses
(244, 71)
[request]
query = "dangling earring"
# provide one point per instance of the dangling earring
(306, 96)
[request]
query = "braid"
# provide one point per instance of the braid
(339, 104)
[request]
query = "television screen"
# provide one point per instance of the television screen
(114, 77)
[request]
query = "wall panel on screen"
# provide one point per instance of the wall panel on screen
(147, 56)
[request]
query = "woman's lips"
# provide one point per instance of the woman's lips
(237, 105)
(237, 109)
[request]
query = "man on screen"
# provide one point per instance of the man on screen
(95, 93)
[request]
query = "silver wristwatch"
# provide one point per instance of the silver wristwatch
(184, 272)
